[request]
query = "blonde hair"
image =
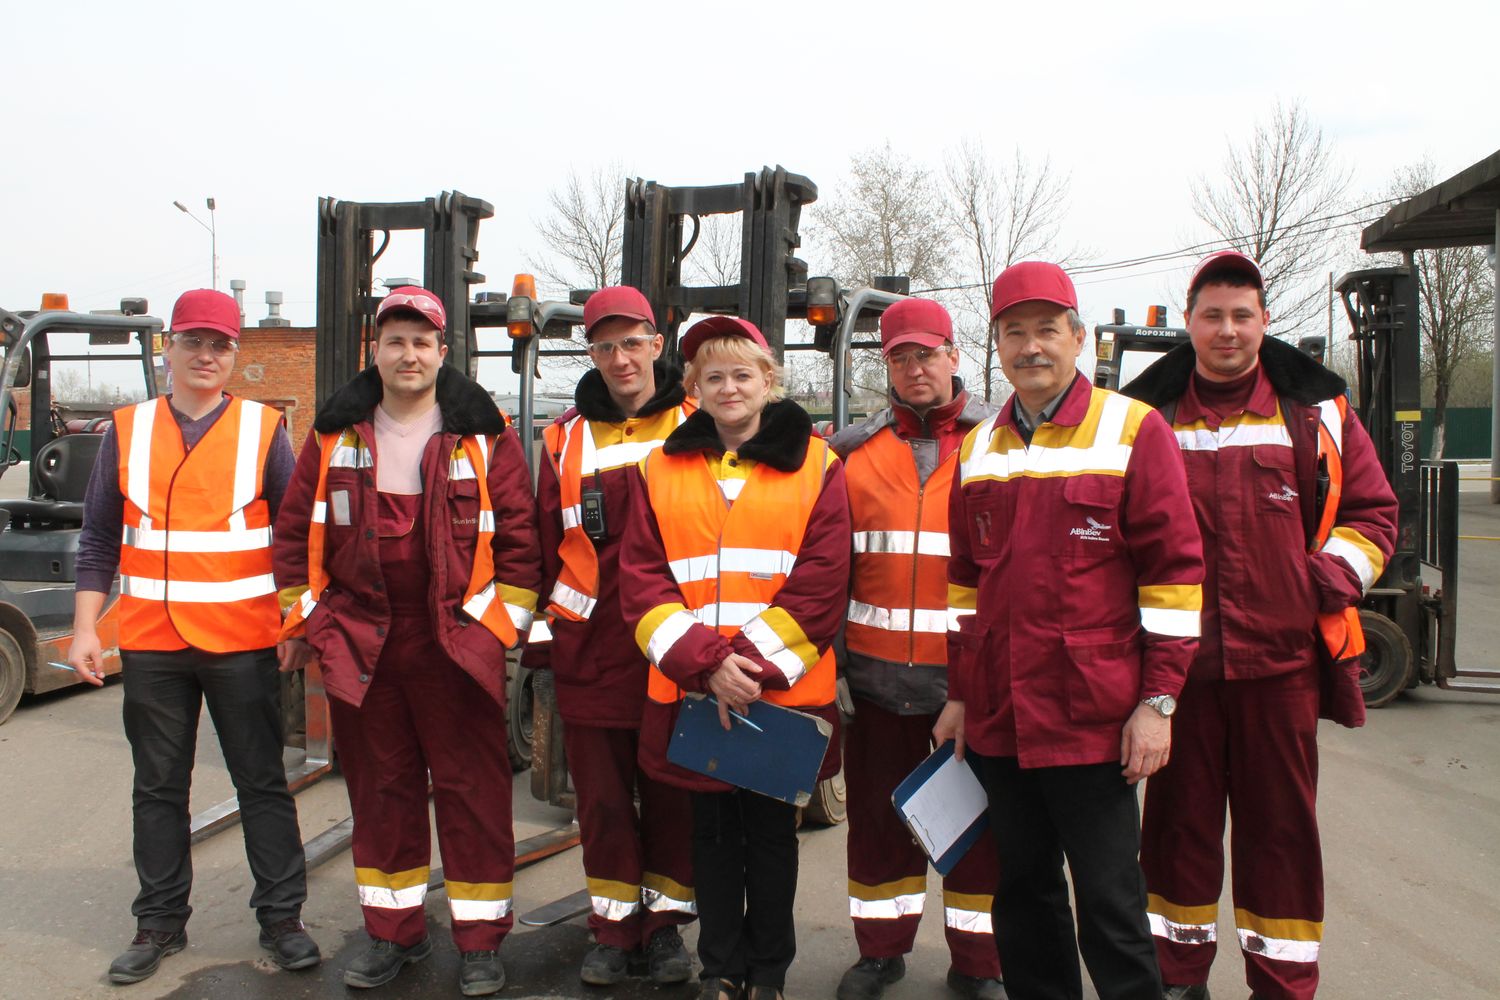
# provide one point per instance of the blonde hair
(733, 350)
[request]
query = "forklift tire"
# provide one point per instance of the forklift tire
(12, 674)
(829, 805)
(1387, 665)
(518, 719)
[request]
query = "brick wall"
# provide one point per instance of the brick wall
(276, 366)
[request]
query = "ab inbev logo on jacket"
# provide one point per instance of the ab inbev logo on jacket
(1095, 532)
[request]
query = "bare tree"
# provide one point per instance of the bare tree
(716, 254)
(1456, 304)
(999, 217)
(1274, 202)
(583, 231)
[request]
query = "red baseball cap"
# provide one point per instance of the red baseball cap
(206, 309)
(417, 301)
(1033, 281)
(617, 300)
(915, 321)
(720, 326)
(1226, 262)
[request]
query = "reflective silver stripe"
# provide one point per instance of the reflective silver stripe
(729, 613)
(613, 456)
(768, 562)
(1170, 621)
(157, 540)
(1233, 436)
(541, 631)
(904, 543)
(887, 909)
(461, 468)
(1351, 554)
(572, 516)
(138, 467)
(773, 648)
(613, 909)
(731, 488)
(968, 921)
(673, 627)
(1106, 454)
(383, 898)
(478, 909)
(1280, 949)
(198, 592)
(246, 465)
(306, 603)
(899, 619)
(1328, 415)
(348, 457)
(659, 902)
(565, 596)
(955, 615)
(520, 617)
(487, 521)
(1182, 933)
(320, 512)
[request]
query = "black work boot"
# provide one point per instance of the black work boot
(719, 989)
(1193, 991)
(667, 958)
(289, 944)
(481, 974)
(382, 961)
(143, 957)
(868, 978)
(604, 965)
(975, 987)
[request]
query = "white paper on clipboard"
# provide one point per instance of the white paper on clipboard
(945, 806)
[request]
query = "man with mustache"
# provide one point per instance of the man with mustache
(1074, 589)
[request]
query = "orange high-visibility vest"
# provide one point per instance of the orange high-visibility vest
(1343, 634)
(575, 457)
(898, 605)
(506, 611)
(730, 560)
(195, 552)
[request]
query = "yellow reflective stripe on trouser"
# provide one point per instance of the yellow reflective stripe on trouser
(1284, 939)
(1182, 924)
(902, 898)
(968, 912)
(612, 900)
(391, 890)
(664, 895)
(478, 900)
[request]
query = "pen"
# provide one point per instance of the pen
(733, 715)
(59, 666)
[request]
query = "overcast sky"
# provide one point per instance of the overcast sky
(112, 111)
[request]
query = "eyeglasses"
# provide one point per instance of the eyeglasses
(922, 356)
(193, 344)
(630, 345)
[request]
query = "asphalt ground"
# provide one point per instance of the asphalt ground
(1410, 810)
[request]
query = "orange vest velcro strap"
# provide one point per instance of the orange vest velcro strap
(195, 544)
(577, 454)
(1171, 609)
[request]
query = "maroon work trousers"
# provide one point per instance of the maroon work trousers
(887, 870)
(423, 714)
(638, 865)
(1250, 745)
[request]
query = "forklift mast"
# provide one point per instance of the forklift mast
(1116, 341)
(347, 253)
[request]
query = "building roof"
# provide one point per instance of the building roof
(1459, 212)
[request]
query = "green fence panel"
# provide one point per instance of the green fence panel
(1466, 432)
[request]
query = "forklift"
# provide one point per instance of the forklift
(39, 533)
(1410, 614)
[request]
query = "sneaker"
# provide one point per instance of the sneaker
(975, 987)
(289, 944)
(481, 974)
(719, 989)
(1194, 991)
(383, 961)
(143, 957)
(667, 959)
(868, 978)
(604, 965)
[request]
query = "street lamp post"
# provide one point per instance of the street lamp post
(213, 233)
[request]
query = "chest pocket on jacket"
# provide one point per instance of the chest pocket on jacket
(1087, 524)
(1273, 477)
(987, 526)
(463, 508)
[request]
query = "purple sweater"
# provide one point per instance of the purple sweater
(104, 503)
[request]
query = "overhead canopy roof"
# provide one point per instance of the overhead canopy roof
(1459, 212)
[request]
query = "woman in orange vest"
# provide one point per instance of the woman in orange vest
(734, 572)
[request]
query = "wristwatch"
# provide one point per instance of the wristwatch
(1164, 704)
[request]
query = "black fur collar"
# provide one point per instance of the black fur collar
(466, 407)
(592, 398)
(781, 441)
(1293, 374)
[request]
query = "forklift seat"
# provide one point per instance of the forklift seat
(61, 469)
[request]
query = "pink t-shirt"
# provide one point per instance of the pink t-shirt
(399, 450)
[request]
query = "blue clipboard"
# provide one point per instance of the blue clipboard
(780, 761)
(946, 813)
